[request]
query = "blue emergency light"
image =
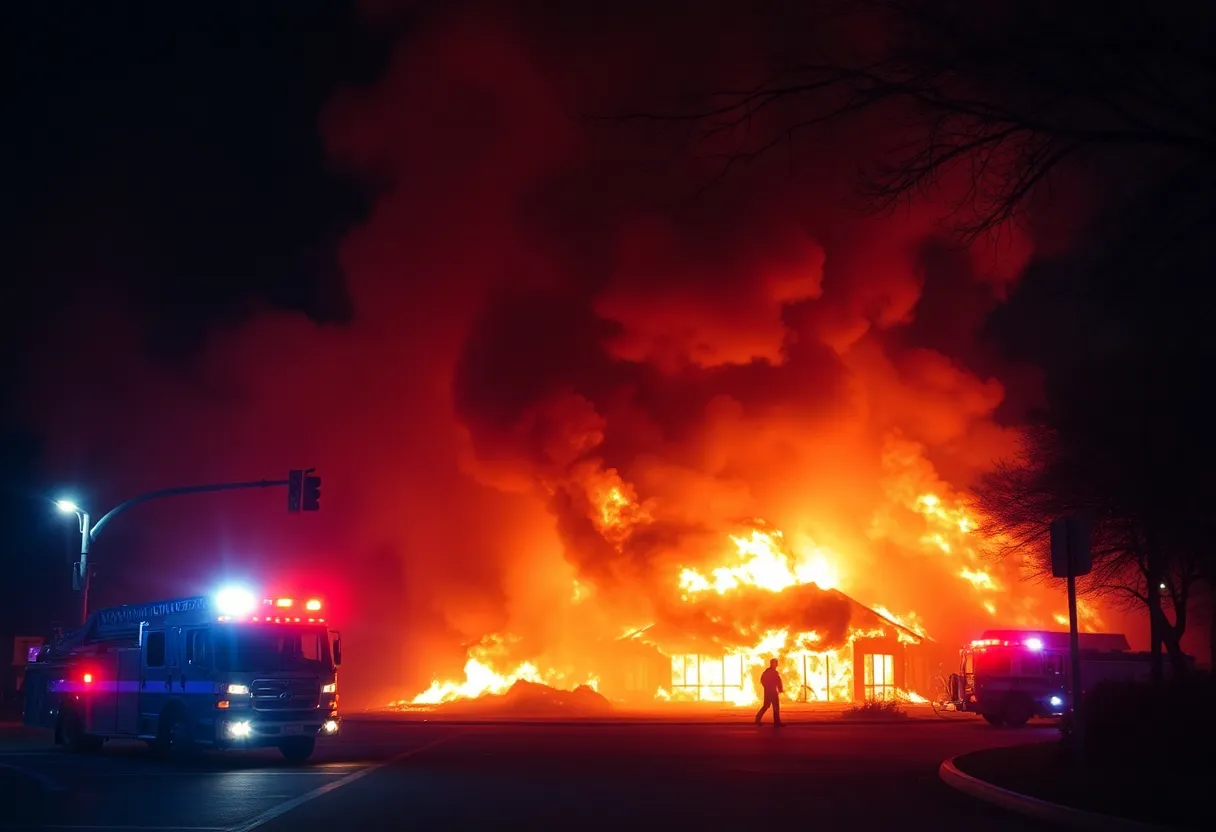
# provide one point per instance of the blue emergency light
(235, 601)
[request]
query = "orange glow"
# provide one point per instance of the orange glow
(763, 564)
(606, 406)
(758, 567)
(284, 602)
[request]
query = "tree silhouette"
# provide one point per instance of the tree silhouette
(989, 104)
(1056, 478)
(997, 96)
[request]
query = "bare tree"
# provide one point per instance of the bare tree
(995, 96)
(1055, 478)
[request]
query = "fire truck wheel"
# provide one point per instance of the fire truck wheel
(297, 749)
(994, 720)
(1017, 714)
(174, 739)
(71, 732)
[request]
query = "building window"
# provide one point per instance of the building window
(879, 678)
(707, 678)
(817, 679)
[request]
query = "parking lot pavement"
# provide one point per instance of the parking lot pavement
(392, 774)
(124, 787)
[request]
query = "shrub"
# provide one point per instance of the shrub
(1153, 724)
(876, 709)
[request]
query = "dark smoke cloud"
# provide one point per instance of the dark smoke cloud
(536, 318)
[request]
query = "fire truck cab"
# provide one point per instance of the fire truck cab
(222, 671)
(1010, 676)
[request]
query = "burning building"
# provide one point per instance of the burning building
(814, 668)
(711, 628)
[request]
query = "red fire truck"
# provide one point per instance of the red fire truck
(222, 671)
(1010, 676)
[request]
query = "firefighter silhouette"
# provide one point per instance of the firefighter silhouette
(770, 680)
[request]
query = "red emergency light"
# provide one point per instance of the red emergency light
(1030, 643)
(88, 678)
(312, 604)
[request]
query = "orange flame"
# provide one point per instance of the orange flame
(761, 558)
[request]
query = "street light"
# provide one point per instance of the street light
(81, 576)
(89, 532)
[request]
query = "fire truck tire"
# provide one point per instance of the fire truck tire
(297, 749)
(1017, 714)
(995, 720)
(174, 738)
(71, 733)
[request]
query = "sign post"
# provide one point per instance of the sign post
(1071, 558)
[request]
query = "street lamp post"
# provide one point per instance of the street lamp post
(308, 501)
(81, 567)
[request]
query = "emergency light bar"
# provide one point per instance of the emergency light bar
(1030, 643)
(238, 602)
(312, 604)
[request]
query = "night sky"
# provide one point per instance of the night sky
(167, 162)
(392, 243)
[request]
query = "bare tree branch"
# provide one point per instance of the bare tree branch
(1014, 93)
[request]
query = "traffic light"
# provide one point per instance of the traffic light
(295, 486)
(312, 492)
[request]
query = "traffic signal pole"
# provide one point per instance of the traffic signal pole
(312, 488)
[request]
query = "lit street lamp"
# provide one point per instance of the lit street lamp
(304, 494)
(81, 574)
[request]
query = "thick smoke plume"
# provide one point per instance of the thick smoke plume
(552, 316)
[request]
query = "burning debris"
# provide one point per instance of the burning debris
(523, 699)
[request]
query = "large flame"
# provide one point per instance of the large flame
(756, 563)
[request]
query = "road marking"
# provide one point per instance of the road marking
(233, 773)
(45, 753)
(275, 812)
(49, 784)
(142, 828)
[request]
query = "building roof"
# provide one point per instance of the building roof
(745, 618)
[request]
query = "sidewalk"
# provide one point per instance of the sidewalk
(1039, 780)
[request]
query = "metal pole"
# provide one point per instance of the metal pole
(88, 532)
(1078, 726)
(86, 537)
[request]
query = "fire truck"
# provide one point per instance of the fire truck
(223, 671)
(1010, 676)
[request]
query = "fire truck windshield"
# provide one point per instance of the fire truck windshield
(260, 648)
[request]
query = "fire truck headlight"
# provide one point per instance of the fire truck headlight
(239, 730)
(332, 687)
(1056, 701)
(238, 690)
(1034, 643)
(330, 726)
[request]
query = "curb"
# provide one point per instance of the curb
(1034, 807)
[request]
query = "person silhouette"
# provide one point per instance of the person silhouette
(770, 680)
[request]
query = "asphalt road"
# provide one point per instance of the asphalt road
(432, 775)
